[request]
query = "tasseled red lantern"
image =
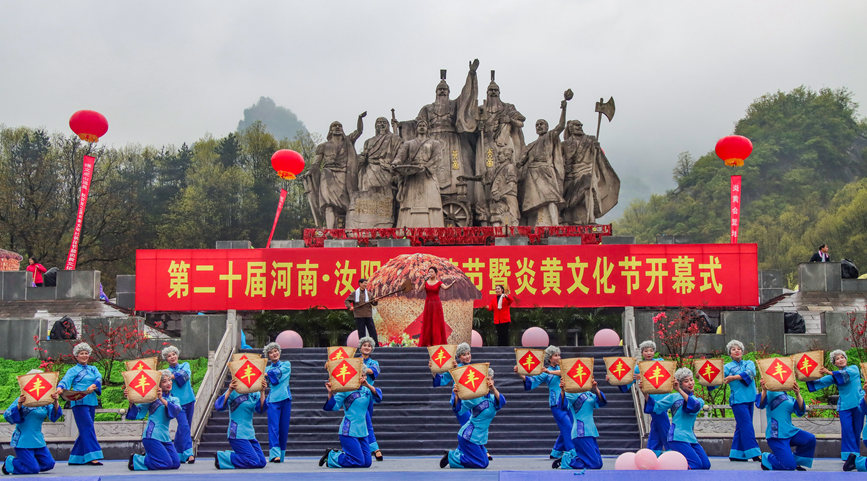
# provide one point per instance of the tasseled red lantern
(287, 163)
(734, 149)
(89, 125)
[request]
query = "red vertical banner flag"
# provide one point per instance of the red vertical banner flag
(277, 215)
(86, 176)
(736, 207)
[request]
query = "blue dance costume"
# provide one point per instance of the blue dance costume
(742, 400)
(279, 408)
(782, 435)
(563, 417)
(585, 454)
(78, 378)
(355, 450)
(246, 452)
(861, 461)
(182, 389)
(681, 435)
(445, 379)
(160, 453)
(371, 378)
(657, 437)
(31, 454)
(848, 381)
(473, 435)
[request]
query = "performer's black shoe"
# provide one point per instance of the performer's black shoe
(275, 460)
(849, 465)
(764, 468)
(800, 468)
(216, 461)
(324, 457)
(736, 460)
(378, 455)
(757, 458)
(556, 464)
(130, 465)
(444, 461)
(3, 467)
(94, 463)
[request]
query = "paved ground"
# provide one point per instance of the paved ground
(394, 466)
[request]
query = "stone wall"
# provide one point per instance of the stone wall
(70, 285)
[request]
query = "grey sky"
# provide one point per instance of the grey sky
(681, 72)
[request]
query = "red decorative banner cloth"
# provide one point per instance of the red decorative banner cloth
(736, 207)
(86, 177)
(277, 215)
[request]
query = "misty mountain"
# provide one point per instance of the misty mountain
(279, 121)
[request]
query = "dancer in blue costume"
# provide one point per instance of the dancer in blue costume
(279, 402)
(848, 381)
(354, 449)
(160, 453)
(684, 408)
(82, 377)
(246, 452)
(182, 388)
(854, 461)
(740, 376)
(563, 417)
(365, 346)
(463, 356)
(473, 435)
(31, 454)
(657, 438)
(585, 453)
(782, 435)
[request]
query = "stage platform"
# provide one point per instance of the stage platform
(423, 468)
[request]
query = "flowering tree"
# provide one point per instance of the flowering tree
(679, 335)
(857, 328)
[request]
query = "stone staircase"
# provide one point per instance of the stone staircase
(415, 418)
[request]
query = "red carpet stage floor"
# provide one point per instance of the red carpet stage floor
(423, 468)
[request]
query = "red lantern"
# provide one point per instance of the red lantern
(734, 149)
(287, 163)
(89, 125)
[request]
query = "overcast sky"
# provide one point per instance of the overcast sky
(681, 72)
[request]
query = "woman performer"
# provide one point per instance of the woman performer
(433, 324)
(279, 402)
(82, 377)
(563, 417)
(246, 452)
(366, 345)
(853, 461)
(31, 454)
(657, 438)
(740, 376)
(585, 452)
(160, 453)
(782, 435)
(500, 305)
(848, 381)
(684, 408)
(182, 389)
(354, 449)
(473, 435)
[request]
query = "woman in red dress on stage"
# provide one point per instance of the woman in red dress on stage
(433, 324)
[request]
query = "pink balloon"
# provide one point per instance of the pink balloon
(476, 339)
(606, 337)
(646, 459)
(352, 339)
(534, 337)
(625, 462)
(673, 461)
(289, 340)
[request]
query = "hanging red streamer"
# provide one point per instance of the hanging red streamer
(277, 215)
(736, 207)
(86, 176)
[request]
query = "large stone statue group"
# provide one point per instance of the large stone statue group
(459, 163)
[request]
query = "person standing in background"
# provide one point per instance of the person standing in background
(359, 302)
(36, 269)
(820, 256)
(500, 305)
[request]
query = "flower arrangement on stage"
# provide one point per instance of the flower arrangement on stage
(402, 340)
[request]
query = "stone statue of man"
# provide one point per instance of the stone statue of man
(374, 162)
(542, 164)
(338, 177)
(503, 191)
(591, 188)
(499, 124)
(418, 193)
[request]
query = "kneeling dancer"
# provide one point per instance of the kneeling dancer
(246, 452)
(160, 452)
(782, 435)
(355, 449)
(473, 435)
(684, 407)
(585, 451)
(31, 454)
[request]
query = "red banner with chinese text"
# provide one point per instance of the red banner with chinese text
(546, 276)
(86, 176)
(277, 215)
(736, 207)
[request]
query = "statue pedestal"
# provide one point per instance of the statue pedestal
(370, 209)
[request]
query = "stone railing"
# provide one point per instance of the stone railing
(630, 348)
(66, 429)
(706, 426)
(218, 366)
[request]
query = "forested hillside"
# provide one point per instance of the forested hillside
(803, 185)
